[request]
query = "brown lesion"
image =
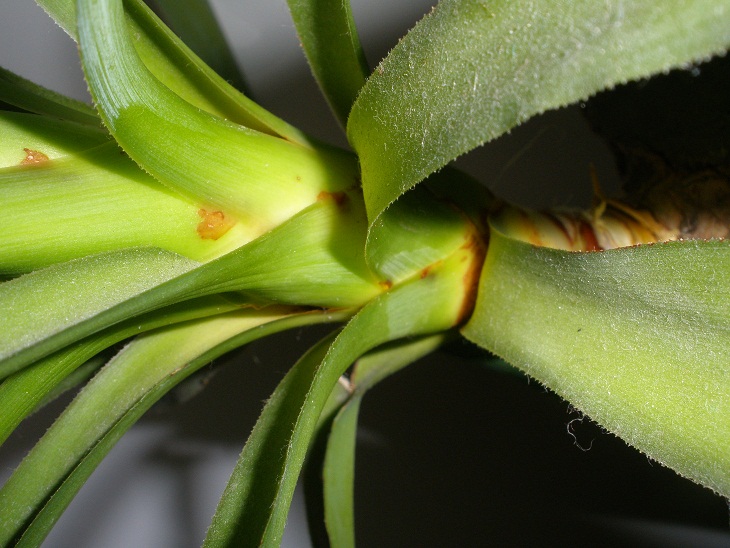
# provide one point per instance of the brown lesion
(214, 224)
(33, 157)
(476, 247)
(340, 198)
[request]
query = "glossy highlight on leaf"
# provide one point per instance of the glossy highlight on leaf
(85, 202)
(192, 221)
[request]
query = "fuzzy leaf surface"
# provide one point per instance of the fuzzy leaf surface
(26, 390)
(637, 338)
(473, 69)
(42, 309)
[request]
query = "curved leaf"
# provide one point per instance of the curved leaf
(255, 503)
(260, 179)
(174, 64)
(49, 477)
(196, 24)
(472, 70)
(328, 35)
(637, 338)
(26, 390)
(41, 308)
(416, 232)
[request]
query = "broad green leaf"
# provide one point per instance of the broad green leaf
(32, 139)
(338, 473)
(255, 503)
(260, 179)
(196, 24)
(328, 35)
(24, 94)
(177, 67)
(48, 478)
(471, 70)
(51, 308)
(32, 387)
(637, 338)
(40, 308)
(95, 201)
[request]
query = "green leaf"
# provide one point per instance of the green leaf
(637, 338)
(328, 35)
(196, 24)
(338, 472)
(48, 478)
(93, 201)
(416, 232)
(472, 70)
(51, 308)
(24, 94)
(262, 180)
(255, 503)
(178, 68)
(42, 308)
(26, 390)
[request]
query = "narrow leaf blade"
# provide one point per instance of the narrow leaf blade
(330, 41)
(256, 501)
(80, 290)
(22, 93)
(338, 471)
(47, 480)
(195, 23)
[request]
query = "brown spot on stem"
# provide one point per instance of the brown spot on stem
(340, 198)
(214, 224)
(426, 271)
(385, 284)
(477, 248)
(33, 157)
